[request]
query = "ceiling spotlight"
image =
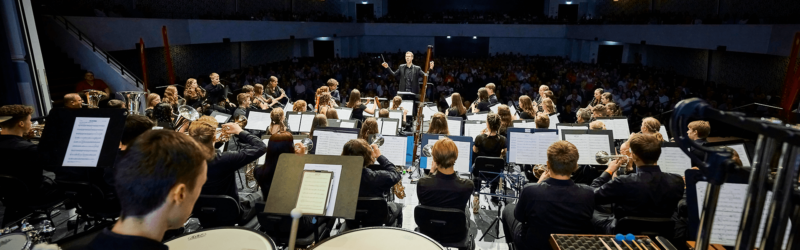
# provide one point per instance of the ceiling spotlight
(569, 2)
(448, 37)
(364, 2)
(474, 37)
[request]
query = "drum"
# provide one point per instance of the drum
(385, 238)
(15, 241)
(223, 238)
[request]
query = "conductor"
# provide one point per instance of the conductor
(408, 74)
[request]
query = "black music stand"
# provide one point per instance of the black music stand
(55, 139)
(285, 187)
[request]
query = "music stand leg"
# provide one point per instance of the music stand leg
(495, 221)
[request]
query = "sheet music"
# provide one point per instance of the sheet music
(512, 109)
(730, 207)
(427, 113)
(258, 121)
(314, 190)
(294, 122)
(619, 127)
(673, 160)
(388, 127)
(742, 153)
(305, 122)
(449, 101)
(407, 105)
(347, 124)
(369, 106)
(394, 148)
(663, 132)
(396, 114)
(530, 148)
(86, 142)
(588, 145)
(221, 118)
(331, 143)
(263, 157)
(524, 124)
(344, 113)
(462, 162)
(553, 121)
(562, 128)
(477, 117)
(494, 108)
(473, 129)
(337, 176)
(454, 126)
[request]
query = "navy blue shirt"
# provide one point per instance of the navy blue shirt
(553, 207)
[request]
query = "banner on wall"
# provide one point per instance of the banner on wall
(791, 85)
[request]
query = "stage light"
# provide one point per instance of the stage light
(474, 37)
(448, 37)
(611, 43)
(568, 2)
(365, 2)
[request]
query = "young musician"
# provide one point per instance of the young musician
(384, 113)
(299, 106)
(274, 92)
(457, 108)
(597, 98)
(244, 101)
(408, 75)
(599, 111)
(597, 125)
(193, 93)
(526, 108)
(492, 97)
(171, 96)
(320, 121)
(370, 127)
(612, 109)
(172, 167)
(506, 118)
(444, 189)
(606, 98)
(359, 108)
(548, 107)
(646, 193)
(332, 114)
(542, 121)
(492, 144)
(396, 101)
(438, 124)
(324, 103)
(554, 205)
(375, 179)
(278, 121)
(482, 105)
(698, 131)
(652, 126)
(542, 89)
(279, 143)
(333, 86)
(163, 116)
(215, 94)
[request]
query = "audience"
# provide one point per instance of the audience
(89, 82)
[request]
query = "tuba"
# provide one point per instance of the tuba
(133, 100)
(186, 115)
(93, 97)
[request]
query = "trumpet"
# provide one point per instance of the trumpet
(538, 170)
(306, 144)
(603, 157)
(186, 116)
(223, 135)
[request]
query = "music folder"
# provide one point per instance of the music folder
(589, 142)
(300, 121)
(291, 175)
(529, 146)
(454, 125)
(464, 144)
(82, 138)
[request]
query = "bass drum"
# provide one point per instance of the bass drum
(385, 238)
(222, 238)
(15, 241)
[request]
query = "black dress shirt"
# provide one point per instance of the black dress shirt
(701, 154)
(493, 99)
(378, 179)
(110, 240)
(453, 112)
(21, 160)
(490, 146)
(444, 190)
(358, 113)
(408, 77)
(215, 93)
(483, 106)
(646, 193)
(550, 207)
(525, 115)
(221, 169)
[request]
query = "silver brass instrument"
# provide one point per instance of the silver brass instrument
(306, 142)
(133, 100)
(186, 115)
(93, 97)
(427, 151)
(37, 130)
(603, 157)
(375, 139)
(538, 170)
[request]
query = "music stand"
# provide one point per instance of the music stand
(221, 118)
(527, 123)
(454, 123)
(55, 141)
(285, 187)
(258, 120)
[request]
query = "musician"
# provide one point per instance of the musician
(375, 179)
(646, 193)
(606, 98)
(251, 93)
(444, 189)
(457, 108)
(89, 82)
(506, 118)
(116, 104)
(598, 111)
(171, 97)
(260, 99)
(163, 116)
(408, 75)
(542, 89)
(279, 143)
(222, 167)
(244, 101)
(698, 131)
(73, 101)
(172, 188)
(299, 106)
(542, 121)
(597, 125)
(526, 108)
(333, 87)
(492, 144)
(215, 92)
(612, 109)
(490, 88)
(325, 103)
(384, 113)
(369, 127)
(597, 98)
(652, 126)
(438, 124)
(152, 100)
(320, 121)
(584, 115)
(194, 94)
(548, 107)
(20, 156)
(332, 114)
(274, 92)
(554, 205)
(359, 108)
(278, 121)
(396, 102)
(482, 104)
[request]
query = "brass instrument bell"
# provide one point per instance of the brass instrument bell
(93, 97)
(133, 100)
(603, 157)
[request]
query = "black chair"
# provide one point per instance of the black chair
(650, 226)
(92, 204)
(487, 164)
(21, 200)
(219, 210)
(371, 212)
(448, 226)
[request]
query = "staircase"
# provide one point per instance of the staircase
(62, 71)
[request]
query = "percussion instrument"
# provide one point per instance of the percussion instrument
(24, 236)
(15, 241)
(602, 242)
(385, 238)
(93, 97)
(223, 238)
(133, 100)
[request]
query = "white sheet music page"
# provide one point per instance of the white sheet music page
(619, 127)
(524, 124)
(258, 121)
(305, 122)
(294, 122)
(407, 105)
(396, 115)
(313, 195)
(347, 124)
(673, 160)
(337, 176)
(449, 101)
(495, 108)
(473, 130)
(477, 117)
(331, 143)
(394, 148)
(221, 118)
(454, 127)
(588, 145)
(742, 153)
(344, 113)
(263, 157)
(730, 207)
(663, 132)
(530, 148)
(553, 121)
(427, 113)
(462, 162)
(86, 142)
(389, 127)
(562, 128)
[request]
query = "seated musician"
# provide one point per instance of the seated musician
(277, 121)
(215, 93)
(375, 179)
(542, 121)
(320, 121)
(384, 113)
(482, 105)
(163, 115)
(492, 144)
(554, 205)
(606, 98)
(548, 107)
(612, 109)
(526, 108)
(396, 101)
(506, 118)
(223, 166)
(20, 156)
(152, 100)
(438, 124)
(279, 143)
(243, 99)
(457, 108)
(325, 103)
(194, 94)
(171, 96)
(597, 125)
(332, 114)
(444, 189)
(358, 107)
(172, 188)
(652, 126)
(646, 193)
(333, 87)
(299, 106)
(599, 111)
(584, 115)
(73, 101)
(698, 131)
(490, 88)
(369, 127)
